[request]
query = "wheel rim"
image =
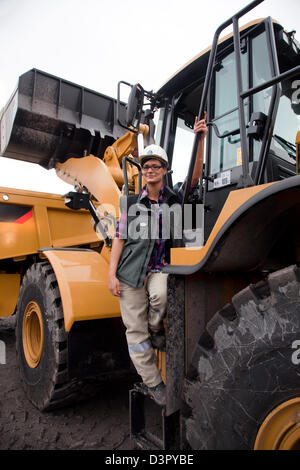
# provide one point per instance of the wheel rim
(33, 334)
(281, 428)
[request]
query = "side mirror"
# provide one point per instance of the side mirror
(134, 107)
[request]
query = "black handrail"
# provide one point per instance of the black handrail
(283, 76)
(233, 20)
(131, 162)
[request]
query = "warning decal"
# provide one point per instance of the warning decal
(15, 214)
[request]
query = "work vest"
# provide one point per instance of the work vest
(135, 257)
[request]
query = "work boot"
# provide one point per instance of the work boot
(158, 340)
(158, 393)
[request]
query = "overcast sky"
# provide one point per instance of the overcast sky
(96, 43)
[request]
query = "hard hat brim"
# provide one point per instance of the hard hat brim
(143, 158)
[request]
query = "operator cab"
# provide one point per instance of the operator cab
(266, 51)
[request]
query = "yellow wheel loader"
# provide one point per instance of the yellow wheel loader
(232, 360)
(232, 364)
(54, 251)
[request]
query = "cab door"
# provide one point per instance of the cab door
(224, 154)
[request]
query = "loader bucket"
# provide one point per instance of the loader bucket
(49, 120)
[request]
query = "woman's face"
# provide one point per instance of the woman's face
(153, 171)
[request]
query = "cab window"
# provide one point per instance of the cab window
(256, 69)
(183, 145)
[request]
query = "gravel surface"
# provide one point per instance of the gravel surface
(101, 423)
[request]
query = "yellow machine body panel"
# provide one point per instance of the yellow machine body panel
(194, 255)
(9, 293)
(82, 277)
(92, 173)
(32, 220)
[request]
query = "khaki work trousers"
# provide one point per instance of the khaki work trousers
(143, 308)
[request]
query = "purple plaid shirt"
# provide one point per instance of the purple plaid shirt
(158, 256)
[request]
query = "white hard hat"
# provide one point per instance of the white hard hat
(154, 151)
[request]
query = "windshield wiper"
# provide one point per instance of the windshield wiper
(289, 147)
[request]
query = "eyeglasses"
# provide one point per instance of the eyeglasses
(151, 167)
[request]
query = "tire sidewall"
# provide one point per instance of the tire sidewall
(247, 368)
(37, 381)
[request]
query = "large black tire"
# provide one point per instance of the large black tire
(244, 365)
(41, 340)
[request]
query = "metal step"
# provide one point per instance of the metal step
(143, 438)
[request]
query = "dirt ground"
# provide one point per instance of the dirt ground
(101, 423)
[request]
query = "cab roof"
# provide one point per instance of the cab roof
(195, 68)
